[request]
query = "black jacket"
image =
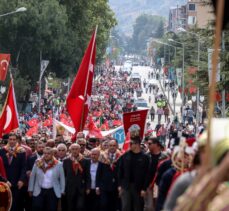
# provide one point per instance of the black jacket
(30, 162)
(16, 171)
(80, 181)
(107, 177)
(141, 170)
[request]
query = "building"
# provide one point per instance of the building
(177, 18)
(193, 13)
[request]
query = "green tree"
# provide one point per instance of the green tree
(59, 29)
(145, 27)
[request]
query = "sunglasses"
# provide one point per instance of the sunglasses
(82, 145)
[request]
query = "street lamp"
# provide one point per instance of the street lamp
(182, 44)
(21, 9)
(180, 29)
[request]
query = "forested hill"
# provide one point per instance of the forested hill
(128, 10)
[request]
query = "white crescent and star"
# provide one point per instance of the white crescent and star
(8, 117)
(4, 61)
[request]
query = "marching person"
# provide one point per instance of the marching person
(47, 182)
(92, 199)
(38, 154)
(83, 150)
(156, 155)
(14, 160)
(107, 184)
(29, 166)
(61, 152)
(152, 113)
(77, 178)
(133, 171)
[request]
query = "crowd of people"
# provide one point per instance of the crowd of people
(95, 174)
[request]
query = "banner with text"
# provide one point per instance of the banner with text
(134, 122)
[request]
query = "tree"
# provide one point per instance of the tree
(60, 29)
(145, 27)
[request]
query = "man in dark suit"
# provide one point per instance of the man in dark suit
(38, 154)
(133, 171)
(30, 163)
(78, 180)
(14, 160)
(107, 178)
(92, 199)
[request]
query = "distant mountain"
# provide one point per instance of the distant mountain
(128, 10)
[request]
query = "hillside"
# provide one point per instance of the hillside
(128, 10)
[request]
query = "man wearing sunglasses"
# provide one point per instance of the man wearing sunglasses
(156, 147)
(134, 167)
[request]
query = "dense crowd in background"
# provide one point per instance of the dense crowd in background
(95, 174)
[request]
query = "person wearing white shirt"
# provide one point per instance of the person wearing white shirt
(47, 182)
(93, 196)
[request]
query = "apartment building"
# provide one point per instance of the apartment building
(193, 13)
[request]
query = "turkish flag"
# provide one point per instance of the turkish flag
(4, 65)
(9, 116)
(32, 122)
(32, 131)
(134, 123)
(48, 122)
(79, 98)
(93, 131)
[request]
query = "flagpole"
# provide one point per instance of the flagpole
(215, 57)
(39, 95)
(88, 72)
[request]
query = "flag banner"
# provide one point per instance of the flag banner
(44, 65)
(134, 122)
(79, 98)
(9, 116)
(4, 65)
(72, 130)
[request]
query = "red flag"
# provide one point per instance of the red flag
(227, 97)
(192, 89)
(9, 116)
(4, 65)
(48, 122)
(218, 97)
(32, 122)
(126, 144)
(93, 131)
(32, 131)
(134, 121)
(79, 97)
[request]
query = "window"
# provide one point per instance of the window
(191, 7)
(191, 20)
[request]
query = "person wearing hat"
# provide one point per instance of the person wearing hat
(132, 176)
